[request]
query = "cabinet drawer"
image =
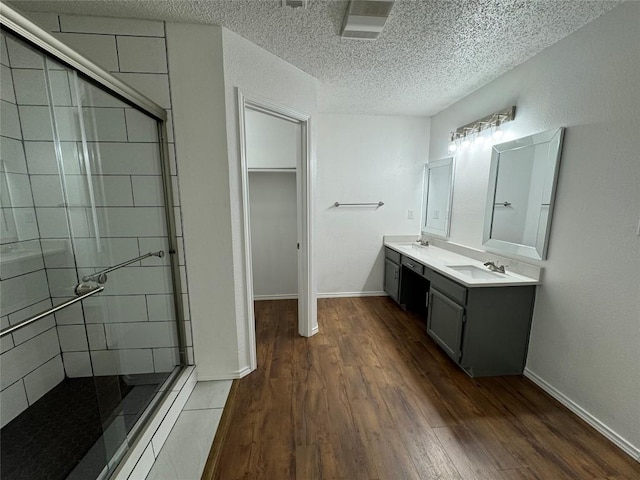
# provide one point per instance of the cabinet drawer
(452, 289)
(411, 264)
(392, 255)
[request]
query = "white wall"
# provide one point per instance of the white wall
(586, 325)
(197, 81)
(365, 158)
(274, 234)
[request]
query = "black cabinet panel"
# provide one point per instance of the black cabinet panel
(391, 279)
(445, 322)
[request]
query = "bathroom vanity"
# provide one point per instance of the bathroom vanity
(480, 318)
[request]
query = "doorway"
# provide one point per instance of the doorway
(276, 191)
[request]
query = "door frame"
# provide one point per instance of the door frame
(307, 307)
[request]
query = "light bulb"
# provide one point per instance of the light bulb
(465, 143)
(479, 140)
(452, 143)
(498, 133)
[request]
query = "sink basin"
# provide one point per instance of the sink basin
(475, 272)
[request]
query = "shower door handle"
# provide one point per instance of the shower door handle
(46, 313)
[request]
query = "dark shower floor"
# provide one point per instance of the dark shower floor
(50, 440)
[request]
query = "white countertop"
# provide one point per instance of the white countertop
(440, 260)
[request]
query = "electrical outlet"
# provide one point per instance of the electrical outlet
(410, 214)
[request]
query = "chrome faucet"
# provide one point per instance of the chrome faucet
(495, 268)
(423, 241)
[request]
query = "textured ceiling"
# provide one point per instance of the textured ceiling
(430, 54)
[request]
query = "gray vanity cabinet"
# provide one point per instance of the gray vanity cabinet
(392, 273)
(444, 323)
(485, 330)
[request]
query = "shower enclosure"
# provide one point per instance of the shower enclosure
(91, 333)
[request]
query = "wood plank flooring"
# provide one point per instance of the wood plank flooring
(372, 397)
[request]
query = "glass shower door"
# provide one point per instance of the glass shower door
(95, 201)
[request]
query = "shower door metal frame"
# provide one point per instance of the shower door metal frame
(26, 30)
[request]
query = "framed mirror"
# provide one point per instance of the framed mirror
(522, 184)
(438, 194)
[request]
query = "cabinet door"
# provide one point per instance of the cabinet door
(391, 278)
(444, 323)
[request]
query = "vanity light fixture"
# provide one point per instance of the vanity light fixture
(461, 138)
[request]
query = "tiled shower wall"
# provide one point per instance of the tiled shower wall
(31, 362)
(129, 327)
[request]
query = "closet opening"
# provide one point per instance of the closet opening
(274, 152)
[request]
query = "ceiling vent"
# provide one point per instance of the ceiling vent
(295, 3)
(365, 19)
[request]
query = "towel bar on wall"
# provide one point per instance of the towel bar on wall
(377, 204)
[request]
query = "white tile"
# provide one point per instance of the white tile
(122, 362)
(58, 253)
(9, 120)
(128, 222)
(20, 360)
(17, 192)
(186, 450)
(62, 282)
(52, 222)
(154, 86)
(113, 251)
(186, 376)
(142, 54)
(36, 123)
(13, 401)
(25, 220)
(43, 379)
(71, 315)
(161, 308)
(165, 359)
(126, 158)
(115, 26)
(24, 257)
(41, 158)
(46, 21)
(181, 254)
(6, 342)
(12, 156)
(165, 427)
(177, 213)
(97, 338)
(21, 292)
(140, 127)
(132, 335)
(73, 338)
(154, 244)
(112, 191)
(6, 85)
(22, 56)
(36, 328)
(31, 88)
(144, 465)
(99, 48)
(77, 364)
(47, 190)
(148, 191)
(209, 395)
(104, 124)
(140, 281)
(115, 309)
(175, 190)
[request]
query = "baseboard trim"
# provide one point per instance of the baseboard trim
(243, 372)
(623, 444)
(258, 298)
(314, 330)
(352, 294)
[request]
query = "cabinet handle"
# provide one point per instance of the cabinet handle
(410, 265)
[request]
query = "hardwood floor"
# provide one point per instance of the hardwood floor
(372, 397)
